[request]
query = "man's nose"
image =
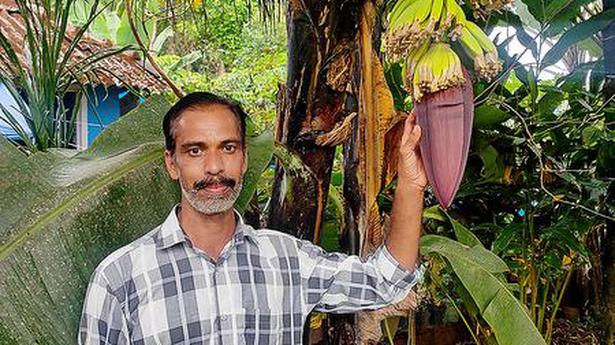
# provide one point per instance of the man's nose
(214, 163)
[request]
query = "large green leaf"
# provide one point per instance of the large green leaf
(464, 235)
(477, 254)
(488, 116)
(63, 213)
(474, 268)
(493, 169)
(105, 26)
(260, 152)
(531, 12)
(577, 34)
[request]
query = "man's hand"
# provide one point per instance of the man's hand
(403, 237)
(410, 169)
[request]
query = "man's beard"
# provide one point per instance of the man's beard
(212, 204)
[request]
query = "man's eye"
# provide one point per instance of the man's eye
(229, 148)
(194, 151)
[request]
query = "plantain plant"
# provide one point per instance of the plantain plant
(426, 38)
(539, 171)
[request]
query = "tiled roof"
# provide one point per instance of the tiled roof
(118, 69)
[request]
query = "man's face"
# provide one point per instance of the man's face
(209, 160)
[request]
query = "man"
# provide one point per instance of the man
(205, 277)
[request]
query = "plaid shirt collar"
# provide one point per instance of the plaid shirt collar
(171, 233)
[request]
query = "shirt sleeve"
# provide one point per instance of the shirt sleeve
(102, 319)
(341, 283)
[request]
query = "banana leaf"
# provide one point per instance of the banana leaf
(61, 213)
(478, 269)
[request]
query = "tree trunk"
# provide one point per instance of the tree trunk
(317, 95)
(335, 94)
(313, 100)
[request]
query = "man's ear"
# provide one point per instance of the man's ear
(170, 164)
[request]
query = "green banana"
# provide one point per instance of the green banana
(488, 65)
(399, 8)
(408, 16)
(437, 69)
(417, 54)
(418, 36)
(424, 10)
(453, 9)
(483, 40)
(436, 10)
(469, 43)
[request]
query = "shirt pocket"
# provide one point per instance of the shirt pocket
(260, 326)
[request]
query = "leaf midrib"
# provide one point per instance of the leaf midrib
(37, 226)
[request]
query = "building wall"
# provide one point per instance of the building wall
(7, 100)
(104, 111)
(104, 106)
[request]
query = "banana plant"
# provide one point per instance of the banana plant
(427, 38)
(62, 213)
(479, 281)
(113, 23)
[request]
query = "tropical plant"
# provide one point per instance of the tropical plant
(537, 181)
(113, 24)
(81, 207)
(537, 184)
(478, 278)
(40, 82)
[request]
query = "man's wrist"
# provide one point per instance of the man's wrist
(408, 186)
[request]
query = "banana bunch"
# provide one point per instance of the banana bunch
(414, 22)
(479, 47)
(435, 67)
(428, 37)
(419, 35)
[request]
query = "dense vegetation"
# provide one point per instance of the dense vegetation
(524, 243)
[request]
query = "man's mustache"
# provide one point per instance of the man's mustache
(204, 183)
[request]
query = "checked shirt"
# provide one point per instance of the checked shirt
(162, 290)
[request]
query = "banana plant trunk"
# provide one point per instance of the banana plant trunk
(331, 55)
(310, 104)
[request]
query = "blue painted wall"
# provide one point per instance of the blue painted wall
(7, 100)
(104, 111)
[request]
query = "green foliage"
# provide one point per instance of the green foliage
(540, 168)
(223, 25)
(538, 191)
(577, 34)
(478, 270)
(253, 78)
(112, 24)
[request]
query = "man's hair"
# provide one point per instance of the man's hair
(195, 100)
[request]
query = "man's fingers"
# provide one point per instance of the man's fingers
(412, 135)
(408, 126)
(411, 119)
(415, 135)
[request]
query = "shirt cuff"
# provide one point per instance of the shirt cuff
(394, 272)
